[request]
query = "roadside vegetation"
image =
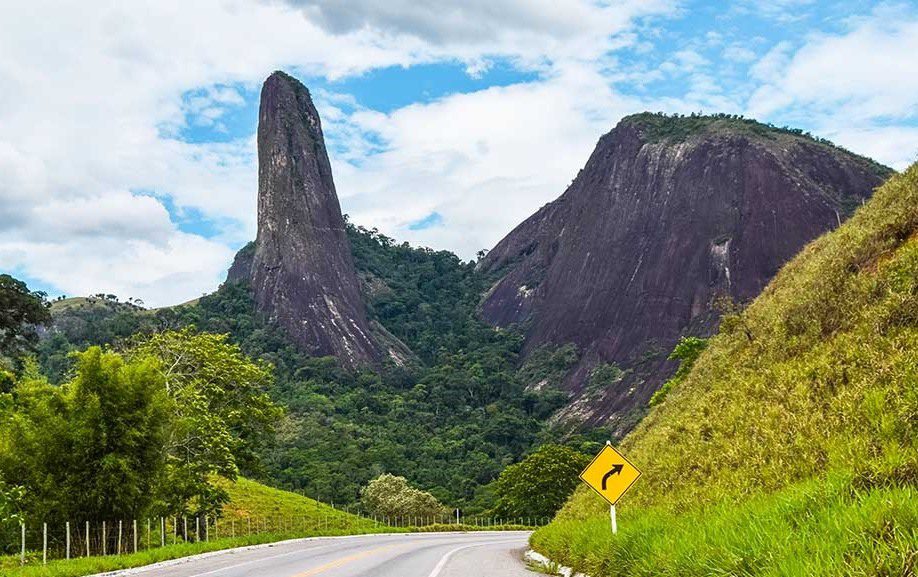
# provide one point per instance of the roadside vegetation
(253, 515)
(790, 448)
(449, 421)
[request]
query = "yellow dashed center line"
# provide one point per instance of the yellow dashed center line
(345, 560)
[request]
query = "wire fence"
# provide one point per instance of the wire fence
(43, 542)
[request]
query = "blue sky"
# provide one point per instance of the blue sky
(127, 152)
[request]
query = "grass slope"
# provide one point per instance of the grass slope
(791, 448)
(275, 515)
(249, 499)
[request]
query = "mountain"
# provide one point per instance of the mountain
(791, 448)
(449, 420)
(300, 268)
(668, 214)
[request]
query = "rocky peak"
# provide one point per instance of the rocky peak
(667, 214)
(300, 267)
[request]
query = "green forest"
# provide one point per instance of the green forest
(449, 421)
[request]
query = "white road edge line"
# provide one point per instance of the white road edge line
(445, 558)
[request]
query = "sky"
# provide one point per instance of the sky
(127, 130)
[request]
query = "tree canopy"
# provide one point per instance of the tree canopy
(391, 496)
(21, 310)
(132, 433)
(539, 485)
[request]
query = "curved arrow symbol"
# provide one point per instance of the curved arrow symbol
(615, 470)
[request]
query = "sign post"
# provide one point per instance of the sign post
(610, 474)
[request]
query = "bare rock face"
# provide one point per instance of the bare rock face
(668, 214)
(300, 267)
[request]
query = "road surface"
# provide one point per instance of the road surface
(475, 554)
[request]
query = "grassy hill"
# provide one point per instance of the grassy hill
(271, 514)
(251, 500)
(791, 448)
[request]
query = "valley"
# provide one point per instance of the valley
(730, 302)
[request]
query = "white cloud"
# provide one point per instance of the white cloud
(484, 161)
(738, 53)
(850, 86)
(172, 272)
(92, 103)
(529, 30)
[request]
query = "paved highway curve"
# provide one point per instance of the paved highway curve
(475, 554)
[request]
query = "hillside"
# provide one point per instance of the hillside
(450, 419)
(669, 216)
(798, 420)
(251, 500)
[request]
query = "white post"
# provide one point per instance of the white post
(162, 531)
(135, 535)
(22, 554)
(104, 541)
(87, 538)
(612, 517)
(457, 516)
(44, 546)
(68, 539)
(119, 536)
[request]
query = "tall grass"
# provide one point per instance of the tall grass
(815, 528)
(817, 379)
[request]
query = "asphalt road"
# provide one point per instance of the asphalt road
(477, 554)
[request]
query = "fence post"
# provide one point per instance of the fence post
(149, 542)
(197, 529)
(206, 528)
(44, 545)
(185, 527)
(104, 541)
(119, 536)
(135, 535)
(87, 538)
(22, 554)
(162, 531)
(68, 539)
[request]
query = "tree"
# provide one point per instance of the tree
(90, 449)
(686, 352)
(220, 413)
(391, 496)
(21, 310)
(538, 485)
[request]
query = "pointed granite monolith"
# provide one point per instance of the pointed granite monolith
(300, 268)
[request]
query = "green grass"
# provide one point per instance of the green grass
(249, 499)
(816, 381)
(814, 528)
(9, 566)
(288, 516)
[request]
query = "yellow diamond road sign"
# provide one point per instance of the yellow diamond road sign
(610, 474)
